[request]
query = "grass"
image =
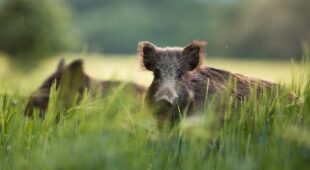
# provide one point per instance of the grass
(119, 132)
(127, 68)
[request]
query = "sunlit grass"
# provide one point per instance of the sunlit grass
(128, 68)
(119, 132)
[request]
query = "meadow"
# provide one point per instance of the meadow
(119, 132)
(128, 68)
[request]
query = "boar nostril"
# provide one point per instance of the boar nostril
(163, 104)
(166, 99)
(167, 95)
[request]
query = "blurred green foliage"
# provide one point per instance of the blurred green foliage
(31, 30)
(240, 28)
(119, 132)
(257, 28)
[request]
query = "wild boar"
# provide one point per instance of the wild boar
(181, 82)
(71, 80)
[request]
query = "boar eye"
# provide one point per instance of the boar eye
(179, 73)
(156, 73)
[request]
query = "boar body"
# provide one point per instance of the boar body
(182, 84)
(71, 80)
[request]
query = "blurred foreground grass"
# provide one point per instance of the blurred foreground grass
(118, 132)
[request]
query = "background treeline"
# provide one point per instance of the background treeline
(240, 28)
(257, 28)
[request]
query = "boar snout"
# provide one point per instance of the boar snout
(166, 94)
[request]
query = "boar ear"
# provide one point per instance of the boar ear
(76, 66)
(73, 74)
(194, 54)
(61, 64)
(72, 81)
(147, 52)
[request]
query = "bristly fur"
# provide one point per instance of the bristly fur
(180, 82)
(197, 43)
(76, 81)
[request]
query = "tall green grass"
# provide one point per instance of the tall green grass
(119, 132)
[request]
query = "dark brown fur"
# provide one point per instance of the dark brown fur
(70, 80)
(180, 82)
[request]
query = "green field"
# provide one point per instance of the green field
(128, 68)
(119, 132)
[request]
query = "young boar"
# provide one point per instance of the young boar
(181, 82)
(71, 80)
